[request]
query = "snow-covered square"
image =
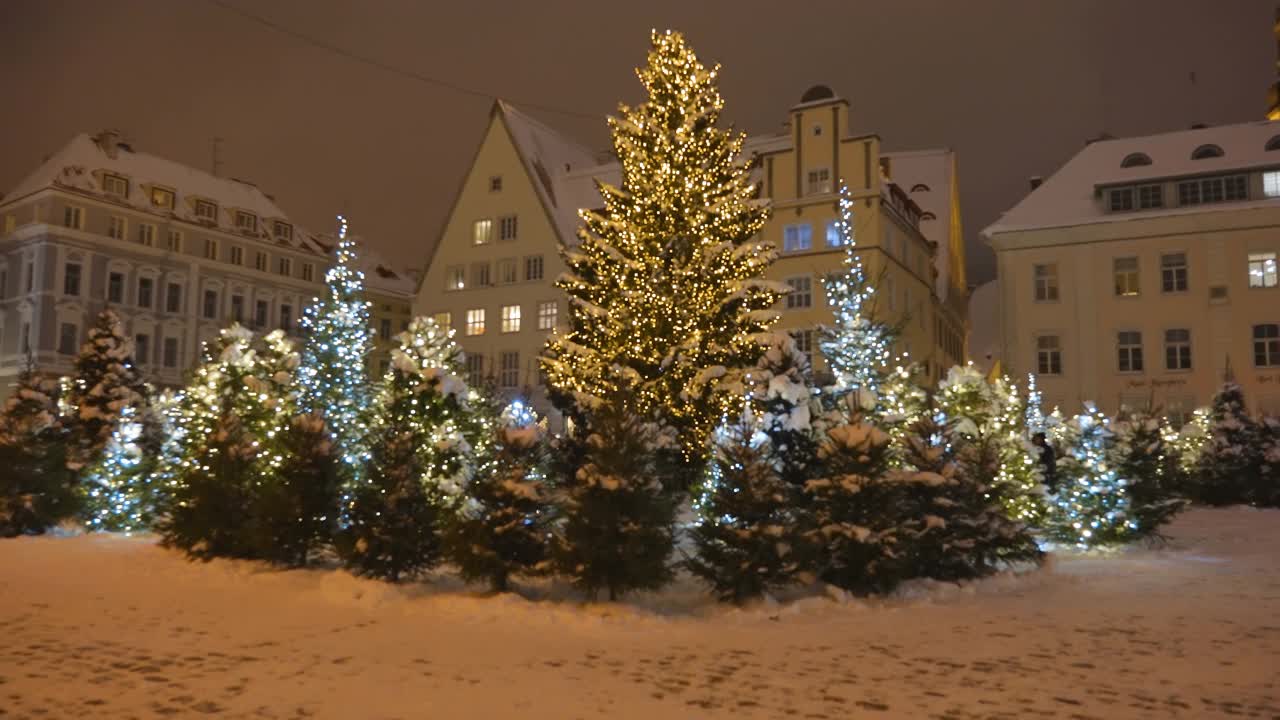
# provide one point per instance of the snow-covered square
(112, 626)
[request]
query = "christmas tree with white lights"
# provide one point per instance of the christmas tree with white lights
(337, 339)
(667, 290)
(117, 488)
(1092, 506)
(856, 346)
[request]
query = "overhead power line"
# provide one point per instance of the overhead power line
(387, 67)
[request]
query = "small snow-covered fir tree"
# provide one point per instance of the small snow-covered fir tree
(502, 529)
(117, 486)
(1092, 506)
(900, 403)
(619, 521)
(1228, 470)
(35, 486)
(856, 346)
(1269, 476)
(746, 537)
(783, 399)
(1142, 456)
(337, 339)
(666, 286)
(105, 382)
(294, 511)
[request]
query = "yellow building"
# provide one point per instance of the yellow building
(491, 276)
(1145, 270)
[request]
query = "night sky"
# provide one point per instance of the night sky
(1015, 86)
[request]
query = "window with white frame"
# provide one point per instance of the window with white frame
(797, 237)
(162, 197)
(115, 287)
(480, 276)
(455, 277)
(1125, 273)
(113, 184)
(1266, 345)
(237, 255)
(1129, 350)
(210, 249)
(173, 298)
(1271, 183)
(146, 289)
(547, 314)
(170, 352)
(507, 271)
(475, 321)
(510, 318)
(173, 242)
(1150, 197)
(116, 227)
(482, 232)
(533, 267)
(819, 181)
(1177, 349)
(1173, 272)
(282, 231)
(475, 370)
(71, 279)
(73, 217)
(1218, 189)
(147, 234)
(68, 335)
(834, 238)
(285, 266)
(1121, 199)
(507, 227)
(801, 295)
(1262, 270)
(206, 211)
(1048, 355)
(1046, 282)
(804, 343)
(509, 369)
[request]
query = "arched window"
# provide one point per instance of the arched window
(926, 215)
(1135, 159)
(919, 187)
(1274, 143)
(1206, 151)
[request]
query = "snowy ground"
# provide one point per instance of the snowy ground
(116, 627)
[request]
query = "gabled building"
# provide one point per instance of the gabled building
(179, 253)
(491, 276)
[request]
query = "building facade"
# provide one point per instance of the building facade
(1144, 271)
(178, 253)
(491, 276)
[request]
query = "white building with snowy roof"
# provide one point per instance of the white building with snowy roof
(179, 253)
(1144, 271)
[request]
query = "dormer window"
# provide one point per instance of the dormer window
(162, 198)
(1135, 160)
(1205, 152)
(282, 231)
(206, 210)
(113, 184)
(246, 221)
(919, 187)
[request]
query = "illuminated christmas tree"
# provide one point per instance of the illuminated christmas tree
(899, 404)
(1142, 455)
(502, 527)
(666, 285)
(1034, 418)
(35, 486)
(1229, 467)
(1092, 505)
(117, 486)
(856, 346)
(337, 339)
(294, 511)
(105, 382)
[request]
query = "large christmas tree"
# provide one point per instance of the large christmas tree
(856, 346)
(337, 339)
(666, 286)
(105, 382)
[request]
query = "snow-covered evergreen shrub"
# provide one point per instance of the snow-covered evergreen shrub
(294, 512)
(782, 397)
(1229, 467)
(1269, 475)
(105, 382)
(36, 489)
(1142, 456)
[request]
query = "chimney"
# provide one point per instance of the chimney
(1035, 181)
(108, 140)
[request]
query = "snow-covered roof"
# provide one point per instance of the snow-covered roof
(381, 276)
(931, 168)
(80, 164)
(549, 157)
(1068, 197)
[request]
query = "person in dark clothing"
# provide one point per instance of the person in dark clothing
(1049, 459)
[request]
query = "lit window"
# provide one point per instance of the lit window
(533, 267)
(173, 242)
(455, 277)
(171, 352)
(285, 267)
(480, 275)
(161, 197)
(475, 370)
(115, 288)
(71, 279)
(146, 286)
(1125, 271)
(509, 369)
(116, 227)
(1262, 270)
(206, 210)
(282, 231)
(1271, 183)
(246, 221)
(819, 181)
(1046, 279)
(1173, 272)
(444, 319)
(1266, 345)
(495, 183)
(797, 237)
(507, 271)
(68, 333)
(115, 185)
(801, 295)
(482, 232)
(475, 322)
(173, 298)
(1177, 349)
(834, 239)
(1121, 199)
(510, 318)
(507, 228)
(73, 217)
(547, 312)
(1129, 347)
(210, 307)
(1048, 355)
